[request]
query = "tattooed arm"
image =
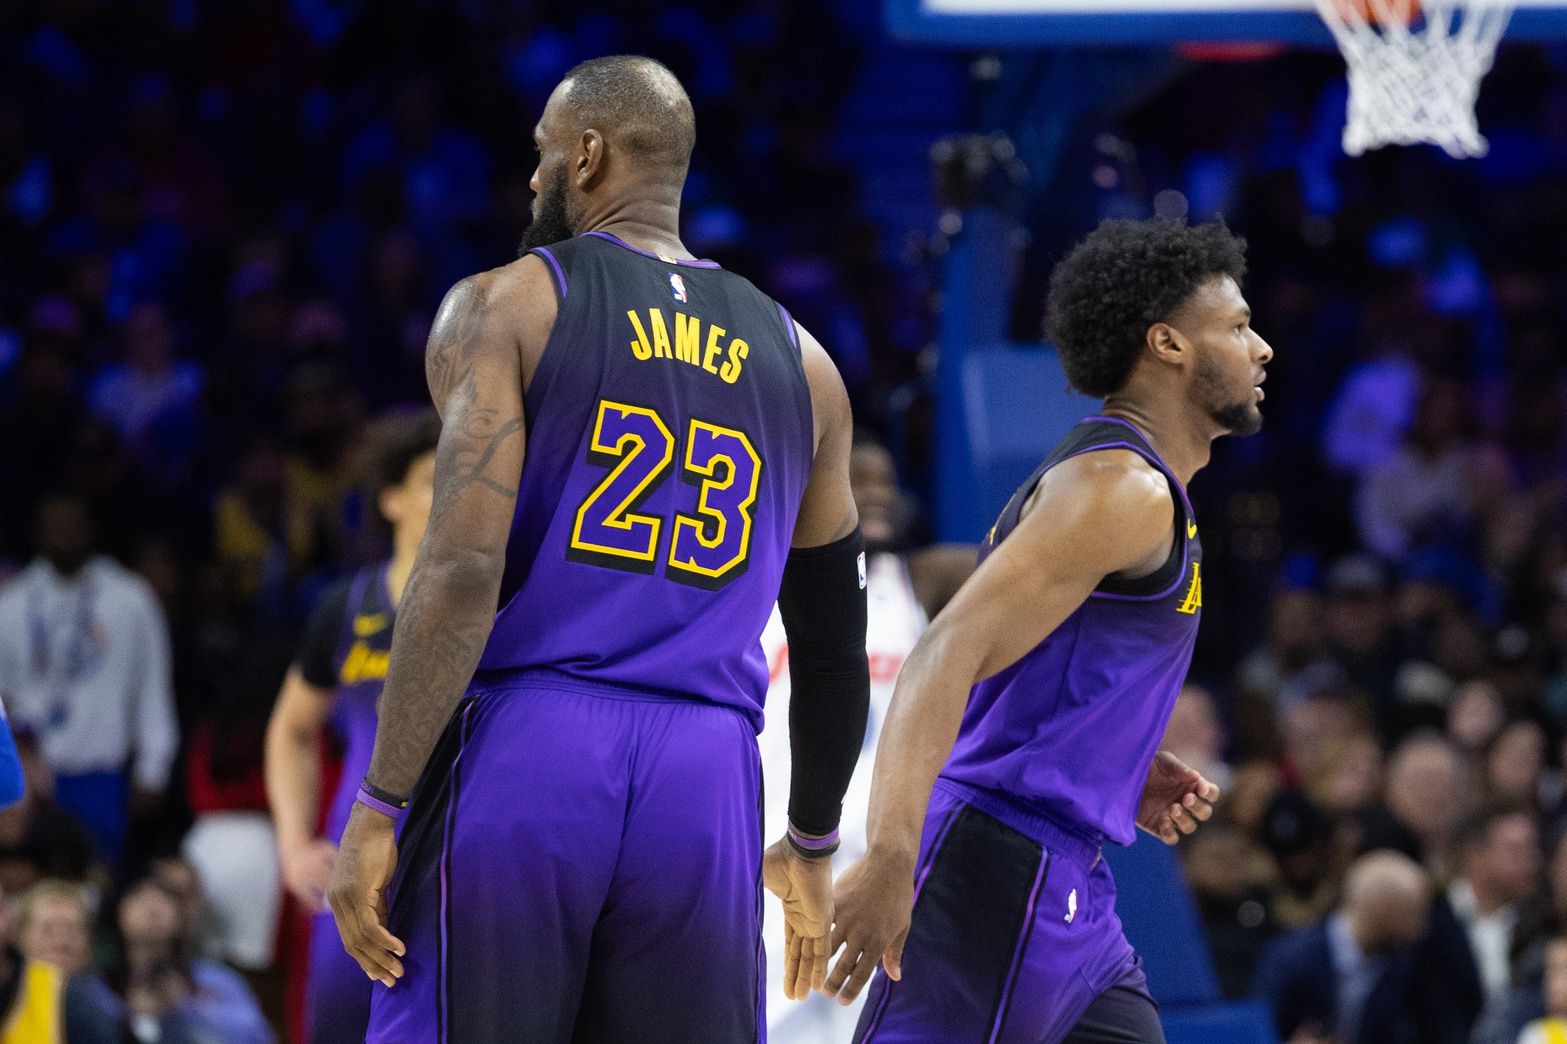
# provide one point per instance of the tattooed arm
(488, 335)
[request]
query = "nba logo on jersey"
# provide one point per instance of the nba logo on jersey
(678, 286)
(861, 563)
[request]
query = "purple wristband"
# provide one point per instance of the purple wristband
(813, 844)
(369, 800)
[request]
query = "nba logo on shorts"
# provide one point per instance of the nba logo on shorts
(1071, 905)
(678, 286)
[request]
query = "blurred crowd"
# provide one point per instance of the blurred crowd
(1381, 683)
(223, 232)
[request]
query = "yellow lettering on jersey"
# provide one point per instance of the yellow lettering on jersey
(688, 338)
(660, 334)
(1193, 600)
(738, 350)
(363, 664)
(366, 625)
(710, 357)
(639, 345)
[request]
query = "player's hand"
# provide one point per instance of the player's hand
(360, 875)
(307, 872)
(873, 903)
(1175, 798)
(805, 888)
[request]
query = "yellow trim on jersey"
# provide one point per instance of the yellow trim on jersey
(621, 517)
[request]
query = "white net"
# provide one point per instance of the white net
(1414, 78)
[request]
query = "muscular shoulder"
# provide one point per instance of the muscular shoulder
(1114, 497)
(510, 309)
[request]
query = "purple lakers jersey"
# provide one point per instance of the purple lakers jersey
(1069, 731)
(363, 641)
(669, 444)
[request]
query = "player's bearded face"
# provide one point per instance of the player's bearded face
(1229, 397)
(552, 218)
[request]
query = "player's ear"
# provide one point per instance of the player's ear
(590, 158)
(1167, 344)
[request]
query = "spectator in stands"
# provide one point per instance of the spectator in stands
(54, 925)
(1300, 838)
(1552, 1029)
(1428, 791)
(38, 838)
(1515, 765)
(1228, 874)
(39, 999)
(150, 385)
(1196, 735)
(1432, 489)
(1361, 637)
(84, 659)
(1474, 716)
(164, 993)
(1474, 931)
(1346, 978)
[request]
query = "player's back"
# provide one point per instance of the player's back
(669, 444)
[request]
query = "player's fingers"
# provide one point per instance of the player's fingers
(791, 963)
(847, 960)
(892, 960)
(379, 944)
(840, 935)
(355, 941)
(1182, 819)
(1203, 812)
(820, 954)
(1208, 791)
(862, 974)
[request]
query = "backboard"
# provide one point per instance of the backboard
(1036, 23)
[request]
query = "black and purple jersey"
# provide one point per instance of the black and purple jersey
(347, 643)
(669, 444)
(1070, 729)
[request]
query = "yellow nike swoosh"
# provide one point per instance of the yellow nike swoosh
(365, 626)
(1191, 530)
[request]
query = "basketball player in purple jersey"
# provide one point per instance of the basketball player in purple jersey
(1034, 704)
(582, 858)
(335, 682)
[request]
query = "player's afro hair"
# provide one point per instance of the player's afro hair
(1123, 278)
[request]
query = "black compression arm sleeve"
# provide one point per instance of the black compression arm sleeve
(822, 602)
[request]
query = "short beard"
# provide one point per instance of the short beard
(1236, 418)
(552, 221)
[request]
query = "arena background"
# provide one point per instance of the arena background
(224, 229)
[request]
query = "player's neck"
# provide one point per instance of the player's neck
(398, 570)
(1181, 444)
(646, 224)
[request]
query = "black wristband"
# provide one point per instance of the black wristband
(384, 796)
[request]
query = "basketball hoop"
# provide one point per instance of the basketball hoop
(1415, 68)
